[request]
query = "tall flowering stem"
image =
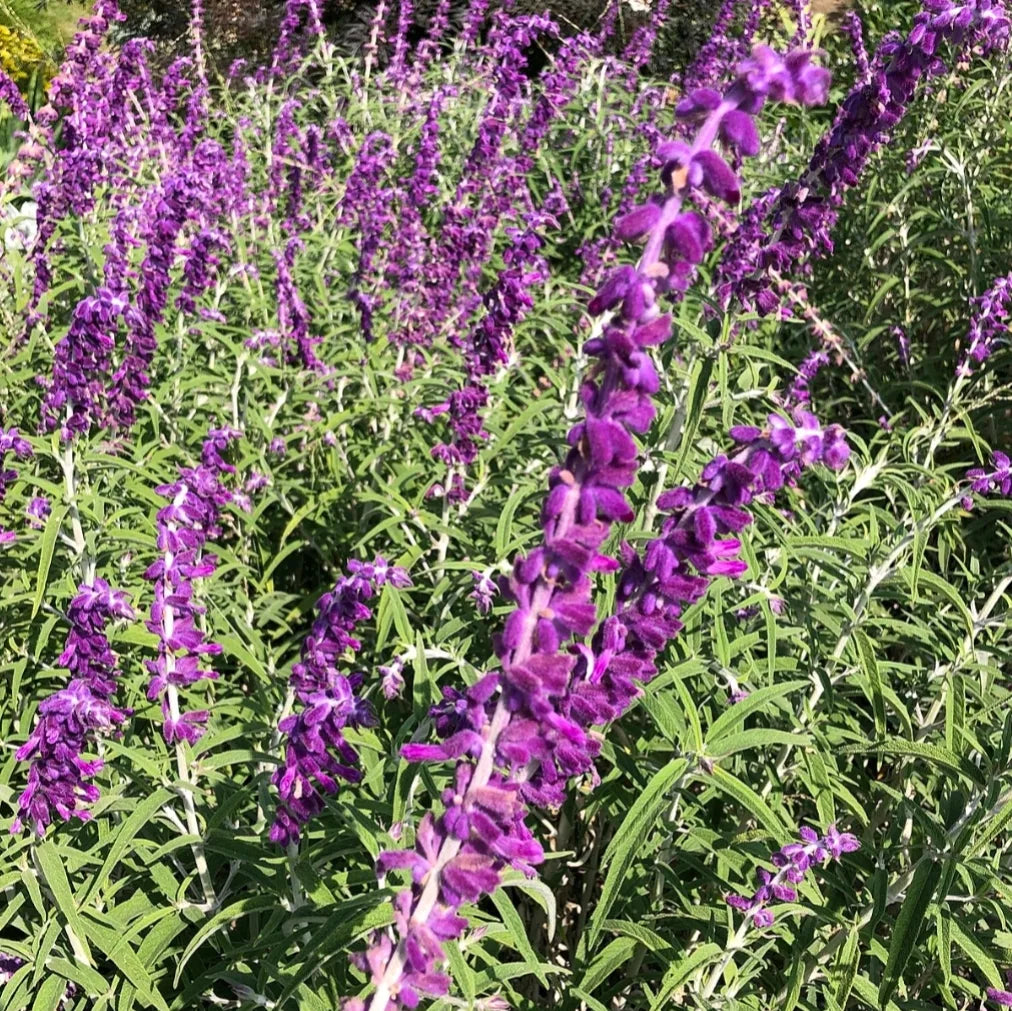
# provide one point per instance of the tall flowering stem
(792, 863)
(519, 733)
(317, 755)
(783, 230)
(71, 719)
(989, 326)
(184, 526)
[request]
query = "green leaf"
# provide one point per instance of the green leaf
(975, 953)
(757, 738)
(516, 928)
(870, 666)
(251, 904)
(139, 817)
(51, 865)
(735, 715)
(698, 389)
(614, 954)
(49, 994)
(681, 969)
(933, 753)
(751, 801)
(992, 829)
(943, 940)
(114, 946)
(47, 543)
(908, 925)
(629, 838)
(847, 964)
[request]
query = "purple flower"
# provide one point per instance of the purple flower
(484, 592)
(317, 755)
(70, 720)
(1002, 997)
(989, 326)
(392, 683)
(37, 510)
(191, 518)
(799, 395)
(518, 734)
(793, 862)
(11, 95)
(996, 480)
(785, 228)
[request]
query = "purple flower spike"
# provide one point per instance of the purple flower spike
(58, 779)
(185, 525)
(989, 327)
(484, 592)
(1000, 997)
(317, 755)
(793, 862)
(786, 228)
(519, 734)
(10, 94)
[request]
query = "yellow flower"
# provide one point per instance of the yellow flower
(21, 56)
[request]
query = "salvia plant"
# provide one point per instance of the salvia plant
(486, 525)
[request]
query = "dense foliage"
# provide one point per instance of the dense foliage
(485, 525)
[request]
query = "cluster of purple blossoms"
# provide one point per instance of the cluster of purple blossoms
(11, 95)
(725, 46)
(519, 734)
(71, 718)
(785, 228)
(800, 393)
(37, 510)
(484, 592)
(10, 442)
(996, 480)
(989, 326)
(1003, 998)
(488, 346)
(185, 526)
(316, 752)
(793, 861)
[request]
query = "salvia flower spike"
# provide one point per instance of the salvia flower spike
(793, 862)
(185, 525)
(70, 720)
(317, 755)
(511, 736)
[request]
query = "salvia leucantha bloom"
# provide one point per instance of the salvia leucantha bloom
(185, 525)
(69, 720)
(519, 733)
(792, 863)
(989, 325)
(785, 228)
(317, 755)
(10, 442)
(1003, 998)
(993, 480)
(11, 95)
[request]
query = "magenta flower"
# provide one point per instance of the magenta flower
(996, 480)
